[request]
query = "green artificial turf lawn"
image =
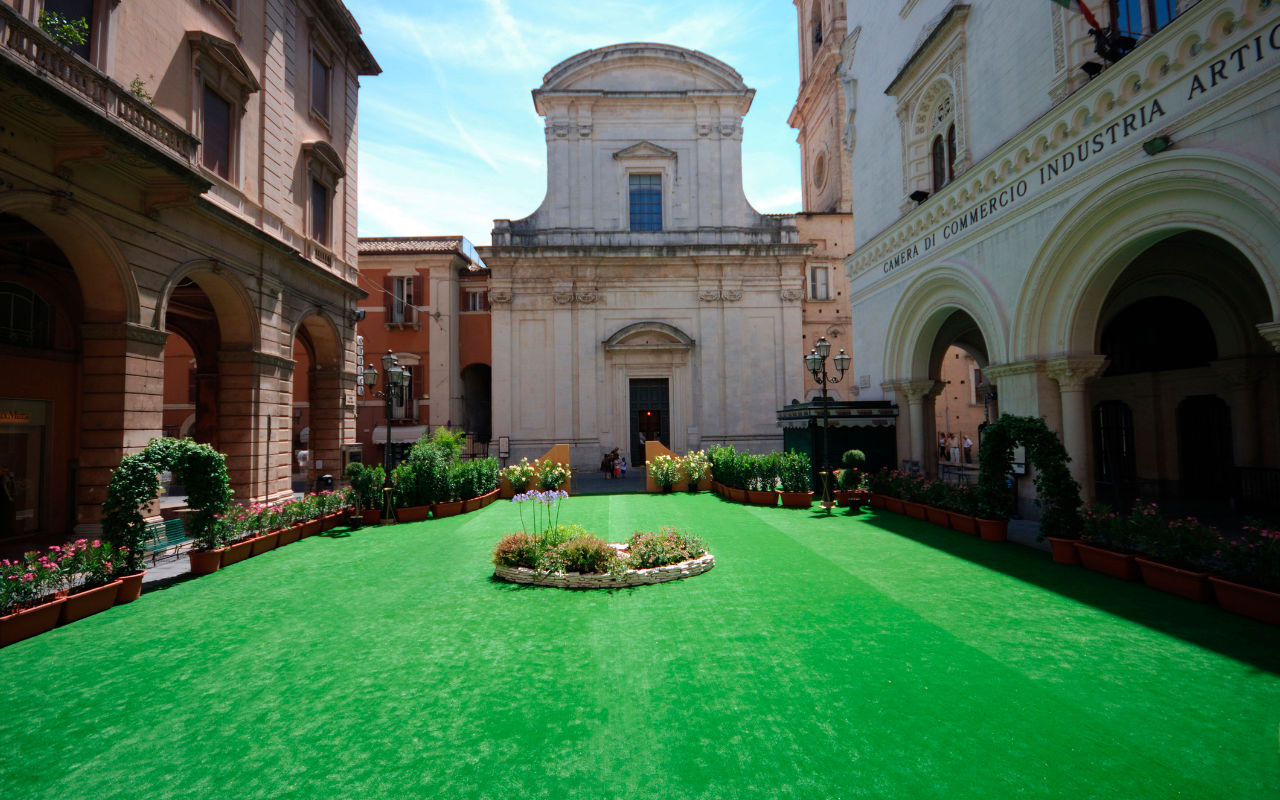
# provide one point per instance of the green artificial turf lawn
(843, 657)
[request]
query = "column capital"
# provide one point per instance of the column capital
(915, 390)
(1073, 373)
(995, 372)
(1271, 332)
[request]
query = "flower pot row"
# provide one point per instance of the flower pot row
(63, 610)
(1201, 587)
(990, 530)
(205, 562)
(440, 510)
(768, 498)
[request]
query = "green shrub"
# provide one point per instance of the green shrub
(667, 546)
(665, 470)
(367, 482)
(794, 471)
(721, 458)
(585, 554)
(551, 475)
(517, 550)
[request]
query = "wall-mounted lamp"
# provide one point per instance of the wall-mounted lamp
(1157, 144)
(919, 196)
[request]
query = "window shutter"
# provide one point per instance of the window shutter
(419, 292)
(484, 301)
(388, 295)
(464, 300)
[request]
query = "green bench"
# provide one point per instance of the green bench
(165, 537)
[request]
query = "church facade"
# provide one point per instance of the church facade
(1092, 218)
(645, 298)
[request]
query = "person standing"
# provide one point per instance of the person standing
(954, 447)
(942, 447)
(968, 450)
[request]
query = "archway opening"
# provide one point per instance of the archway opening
(317, 403)
(477, 396)
(965, 401)
(1178, 414)
(41, 400)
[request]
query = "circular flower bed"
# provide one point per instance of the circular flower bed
(570, 557)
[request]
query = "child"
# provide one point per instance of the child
(622, 467)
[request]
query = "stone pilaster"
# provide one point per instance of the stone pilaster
(916, 391)
(122, 407)
(255, 422)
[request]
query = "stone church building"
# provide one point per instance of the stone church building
(645, 298)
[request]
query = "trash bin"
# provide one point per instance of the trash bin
(325, 483)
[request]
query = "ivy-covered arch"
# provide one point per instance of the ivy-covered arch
(201, 470)
(1057, 492)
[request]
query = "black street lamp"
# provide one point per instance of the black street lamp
(816, 362)
(394, 380)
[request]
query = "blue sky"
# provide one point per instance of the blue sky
(449, 140)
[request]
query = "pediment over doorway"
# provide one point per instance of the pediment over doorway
(644, 150)
(649, 336)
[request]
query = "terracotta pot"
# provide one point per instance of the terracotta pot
(235, 553)
(737, 495)
(1064, 551)
(89, 602)
(130, 588)
(470, 504)
(993, 530)
(505, 491)
(29, 622)
(449, 508)
(1108, 562)
(370, 516)
(758, 497)
(937, 516)
(877, 501)
(413, 513)
(797, 499)
(895, 505)
(962, 523)
(488, 497)
(310, 528)
(332, 521)
(1247, 601)
(206, 562)
(1182, 582)
(265, 542)
(289, 535)
(914, 510)
(704, 485)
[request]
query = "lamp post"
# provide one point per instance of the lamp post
(394, 379)
(816, 362)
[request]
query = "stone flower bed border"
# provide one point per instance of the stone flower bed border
(632, 577)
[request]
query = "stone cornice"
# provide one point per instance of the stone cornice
(130, 331)
(997, 371)
(915, 390)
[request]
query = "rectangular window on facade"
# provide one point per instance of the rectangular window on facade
(646, 202)
(818, 289)
(1137, 18)
(319, 86)
(402, 401)
(319, 212)
(401, 300)
(72, 10)
(215, 130)
(475, 300)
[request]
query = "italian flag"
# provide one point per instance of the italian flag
(1078, 5)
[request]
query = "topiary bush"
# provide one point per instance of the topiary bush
(1057, 492)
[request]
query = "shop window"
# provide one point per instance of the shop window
(24, 317)
(646, 202)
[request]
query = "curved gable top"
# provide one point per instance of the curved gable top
(641, 67)
(649, 336)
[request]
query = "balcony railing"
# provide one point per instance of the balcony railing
(34, 49)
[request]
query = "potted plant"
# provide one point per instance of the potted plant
(793, 472)
(762, 489)
(90, 578)
(697, 469)
(936, 497)
(28, 602)
(1107, 544)
(516, 478)
(1250, 582)
(553, 476)
(850, 478)
(367, 482)
(962, 505)
(1175, 560)
(665, 471)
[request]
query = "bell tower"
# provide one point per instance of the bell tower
(819, 113)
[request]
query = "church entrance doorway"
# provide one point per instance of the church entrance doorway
(650, 415)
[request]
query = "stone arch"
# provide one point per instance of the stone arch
(237, 316)
(326, 419)
(1225, 196)
(924, 309)
(111, 294)
(650, 335)
(324, 333)
(922, 119)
